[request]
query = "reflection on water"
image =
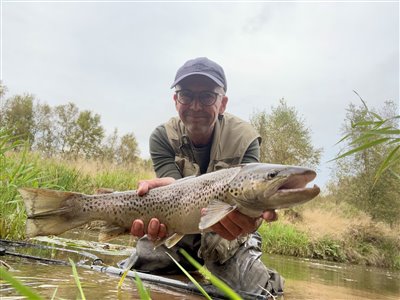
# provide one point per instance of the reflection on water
(314, 279)
(47, 280)
(305, 279)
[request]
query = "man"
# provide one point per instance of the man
(203, 139)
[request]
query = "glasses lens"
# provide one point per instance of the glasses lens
(207, 98)
(185, 97)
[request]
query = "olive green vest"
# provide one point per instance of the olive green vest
(232, 137)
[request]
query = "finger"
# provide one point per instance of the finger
(221, 231)
(231, 227)
(153, 229)
(157, 182)
(145, 185)
(163, 231)
(270, 216)
(245, 223)
(137, 228)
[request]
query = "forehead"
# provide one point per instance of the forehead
(197, 82)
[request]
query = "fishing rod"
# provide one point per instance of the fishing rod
(160, 280)
(97, 265)
(5, 245)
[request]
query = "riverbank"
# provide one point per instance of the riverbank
(324, 230)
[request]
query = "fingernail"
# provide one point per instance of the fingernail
(136, 226)
(153, 225)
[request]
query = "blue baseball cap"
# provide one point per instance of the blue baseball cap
(201, 66)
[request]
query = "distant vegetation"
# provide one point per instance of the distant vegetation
(63, 131)
(357, 219)
(285, 137)
(367, 172)
(20, 167)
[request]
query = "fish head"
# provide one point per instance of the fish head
(259, 187)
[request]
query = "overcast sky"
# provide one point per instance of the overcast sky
(119, 59)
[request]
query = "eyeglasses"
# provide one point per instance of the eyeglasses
(206, 98)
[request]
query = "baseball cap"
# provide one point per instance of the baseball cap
(202, 66)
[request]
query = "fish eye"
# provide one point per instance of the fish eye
(272, 175)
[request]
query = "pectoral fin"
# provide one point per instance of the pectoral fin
(170, 241)
(215, 211)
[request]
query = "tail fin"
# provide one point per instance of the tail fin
(49, 212)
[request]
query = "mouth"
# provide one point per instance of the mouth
(194, 116)
(294, 190)
(298, 181)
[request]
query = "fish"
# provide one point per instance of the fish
(249, 188)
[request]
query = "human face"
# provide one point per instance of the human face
(200, 119)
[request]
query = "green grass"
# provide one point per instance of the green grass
(285, 239)
(77, 280)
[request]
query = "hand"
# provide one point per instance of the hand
(270, 216)
(155, 230)
(236, 224)
(145, 185)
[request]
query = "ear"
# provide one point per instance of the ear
(224, 102)
(175, 98)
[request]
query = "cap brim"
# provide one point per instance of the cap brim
(217, 81)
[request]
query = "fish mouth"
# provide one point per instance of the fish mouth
(298, 181)
(294, 190)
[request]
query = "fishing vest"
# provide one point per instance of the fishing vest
(232, 137)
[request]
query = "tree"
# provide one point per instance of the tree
(110, 147)
(3, 90)
(127, 151)
(87, 136)
(45, 140)
(65, 127)
(371, 129)
(285, 138)
(18, 117)
(368, 147)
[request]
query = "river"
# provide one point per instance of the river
(305, 279)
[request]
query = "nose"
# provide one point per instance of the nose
(196, 105)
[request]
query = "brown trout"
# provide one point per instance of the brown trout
(249, 188)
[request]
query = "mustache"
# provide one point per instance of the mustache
(197, 114)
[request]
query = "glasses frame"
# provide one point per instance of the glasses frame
(195, 95)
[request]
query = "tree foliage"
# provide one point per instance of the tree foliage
(66, 117)
(127, 150)
(17, 116)
(285, 138)
(87, 136)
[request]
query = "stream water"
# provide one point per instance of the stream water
(305, 279)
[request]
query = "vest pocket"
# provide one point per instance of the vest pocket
(186, 167)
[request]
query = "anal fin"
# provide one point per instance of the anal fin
(170, 241)
(110, 232)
